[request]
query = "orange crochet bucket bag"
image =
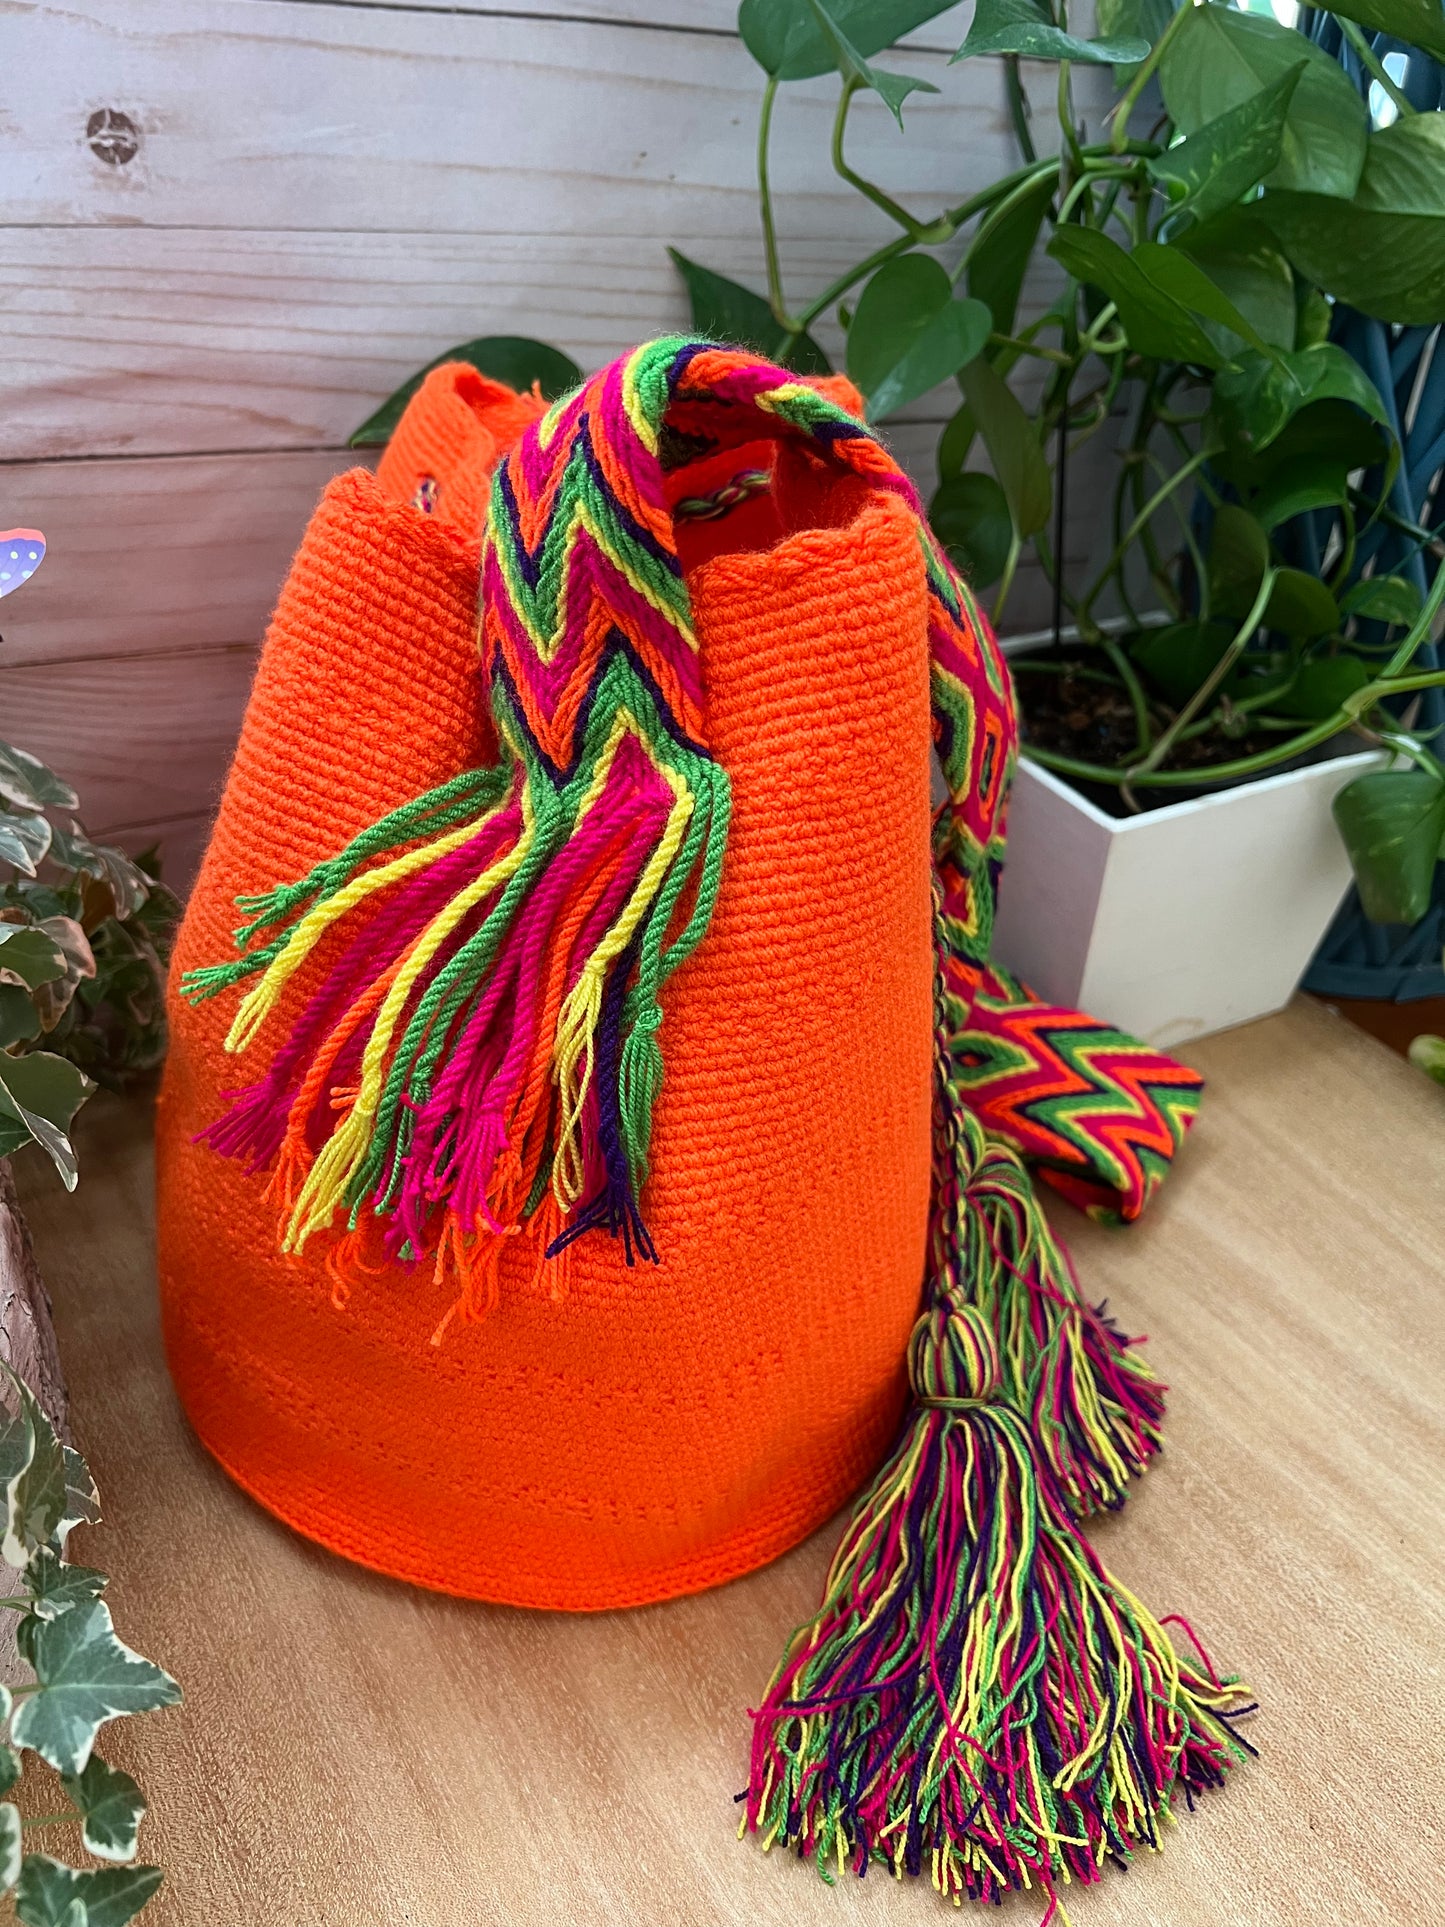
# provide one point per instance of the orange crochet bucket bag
(619, 1117)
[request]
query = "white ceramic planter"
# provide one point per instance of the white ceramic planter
(1179, 921)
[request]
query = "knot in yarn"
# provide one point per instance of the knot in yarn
(953, 1361)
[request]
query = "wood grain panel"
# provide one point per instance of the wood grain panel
(268, 113)
(685, 16)
(149, 556)
(156, 341)
(354, 1752)
(143, 738)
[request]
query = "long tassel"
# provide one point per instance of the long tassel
(1096, 1405)
(978, 1698)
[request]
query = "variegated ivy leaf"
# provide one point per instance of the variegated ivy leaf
(86, 1677)
(29, 957)
(24, 840)
(52, 1000)
(9, 1846)
(25, 781)
(43, 1092)
(55, 1586)
(35, 1490)
(17, 1445)
(82, 1501)
(9, 1762)
(128, 884)
(113, 1806)
(52, 1895)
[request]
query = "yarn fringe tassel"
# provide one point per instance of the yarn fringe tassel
(978, 1699)
(482, 1031)
(1095, 1404)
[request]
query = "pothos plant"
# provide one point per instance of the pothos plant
(83, 937)
(83, 1677)
(1236, 189)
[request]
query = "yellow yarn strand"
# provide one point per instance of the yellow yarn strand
(262, 999)
(325, 1187)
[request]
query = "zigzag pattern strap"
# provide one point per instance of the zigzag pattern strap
(483, 1049)
(1100, 1115)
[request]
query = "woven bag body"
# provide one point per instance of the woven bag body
(654, 1429)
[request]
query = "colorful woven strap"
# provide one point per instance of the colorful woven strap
(484, 1047)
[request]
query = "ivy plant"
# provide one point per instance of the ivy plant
(84, 933)
(1239, 191)
(83, 1677)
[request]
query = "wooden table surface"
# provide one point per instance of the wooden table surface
(357, 1754)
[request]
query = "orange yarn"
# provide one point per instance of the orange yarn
(652, 1431)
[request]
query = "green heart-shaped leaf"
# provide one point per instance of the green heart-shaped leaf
(852, 63)
(1238, 558)
(1418, 21)
(970, 516)
(1322, 686)
(1383, 598)
(911, 332)
(1179, 656)
(1393, 824)
(1027, 28)
(1301, 606)
(1254, 400)
(1155, 321)
(1383, 251)
(1220, 59)
(786, 38)
(1215, 167)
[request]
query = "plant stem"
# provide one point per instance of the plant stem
(1090, 342)
(765, 202)
(1129, 676)
(1142, 520)
(1216, 676)
(1018, 107)
(1371, 59)
(1066, 113)
(997, 340)
(951, 221)
(1119, 134)
(1419, 630)
(917, 231)
(1005, 583)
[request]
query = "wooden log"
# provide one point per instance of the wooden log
(27, 1335)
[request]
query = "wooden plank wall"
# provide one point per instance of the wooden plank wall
(325, 194)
